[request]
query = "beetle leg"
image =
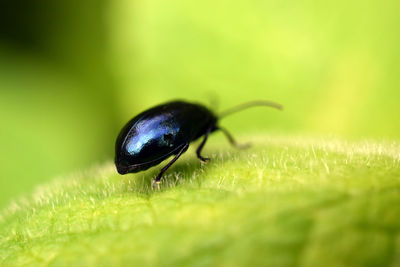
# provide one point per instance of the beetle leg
(158, 178)
(198, 151)
(232, 140)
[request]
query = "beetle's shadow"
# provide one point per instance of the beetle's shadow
(189, 171)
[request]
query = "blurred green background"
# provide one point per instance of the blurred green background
(73, 72)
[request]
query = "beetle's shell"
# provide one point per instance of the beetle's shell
(159, 132)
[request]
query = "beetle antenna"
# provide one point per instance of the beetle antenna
(250, 104)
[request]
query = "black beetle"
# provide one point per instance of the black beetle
(167, 129)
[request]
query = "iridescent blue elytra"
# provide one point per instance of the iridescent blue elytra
(165, 130)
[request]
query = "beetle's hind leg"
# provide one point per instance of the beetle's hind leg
(200, 148)
(157, 180)
(232, 140)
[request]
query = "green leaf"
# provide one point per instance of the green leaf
(283, 202)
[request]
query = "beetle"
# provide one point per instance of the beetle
(167, 130)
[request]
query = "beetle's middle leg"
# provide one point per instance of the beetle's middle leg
(200, 148)
(158, 178)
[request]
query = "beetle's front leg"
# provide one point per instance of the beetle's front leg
(157, 180)
(232, 140)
